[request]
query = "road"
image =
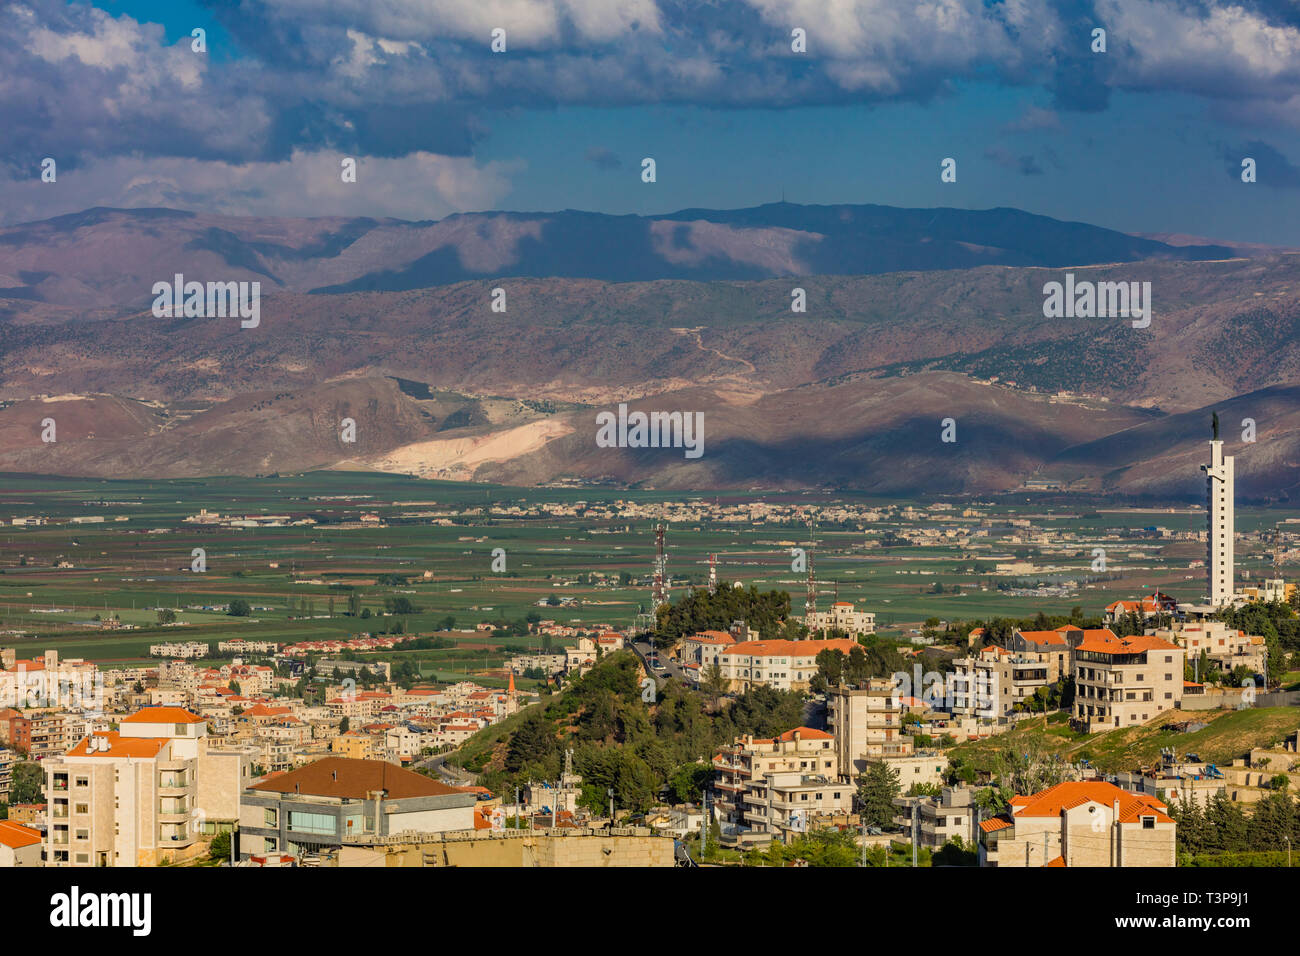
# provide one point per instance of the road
(671, 668)
(452, 776)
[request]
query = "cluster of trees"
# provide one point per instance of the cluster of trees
(1225, 827)
(621, 742)
(768, 612)
(873, 658)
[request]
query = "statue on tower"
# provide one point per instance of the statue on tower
(1215, 426)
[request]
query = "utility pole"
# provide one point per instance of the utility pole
(916, 830)
(704, 826)
(610, 791)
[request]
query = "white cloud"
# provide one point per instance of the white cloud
(417, 186)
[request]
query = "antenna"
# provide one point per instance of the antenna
(713, 574)
(659, 590)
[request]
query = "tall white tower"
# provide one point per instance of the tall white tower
(1220, 553)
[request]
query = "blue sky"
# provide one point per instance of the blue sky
(1146, 137)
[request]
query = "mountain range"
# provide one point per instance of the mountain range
(911, 317)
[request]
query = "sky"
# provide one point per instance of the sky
(1148, 136)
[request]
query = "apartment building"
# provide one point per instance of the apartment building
(841, 616)
(1124, 682)
(779, 664)
(1226, 647)
(705, 647)
(748, 762)
(334, 800)
(1080, 823)
(43, 733)
(7, 758)
(991, 682)
(790, 802)
(952, 814)
(867, 723)
(144, 794)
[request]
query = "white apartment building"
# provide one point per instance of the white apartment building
(842, 616)
(779, 664)
(146, 793)
(867, 724)
(749, 761)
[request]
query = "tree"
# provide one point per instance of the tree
(856, 667)
(689, 782)
(830, 666)
(713, 683)
(533, 741)
(344, 724)
(219, 848)
(877, 788)
(166, 615)
(27, 783)
(354, 604)
(239, 608)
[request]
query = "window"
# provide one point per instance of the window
(83, 781)
(270, 817)
(1148, 823)
(301, 821)
(181, 730)
(82, 808)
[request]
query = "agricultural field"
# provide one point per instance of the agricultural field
(423, 556)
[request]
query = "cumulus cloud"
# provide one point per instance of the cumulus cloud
(391, 79)
(416, 186)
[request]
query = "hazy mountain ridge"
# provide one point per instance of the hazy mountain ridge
(849, 392)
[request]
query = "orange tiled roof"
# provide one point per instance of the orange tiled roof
(994, 824)
(790, 648)
(806, 733)
(1056, 861)
(119, 746)
(1073, 793)
(16, 836)
(163, 715)
(1133, 644)
(1042, 637)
